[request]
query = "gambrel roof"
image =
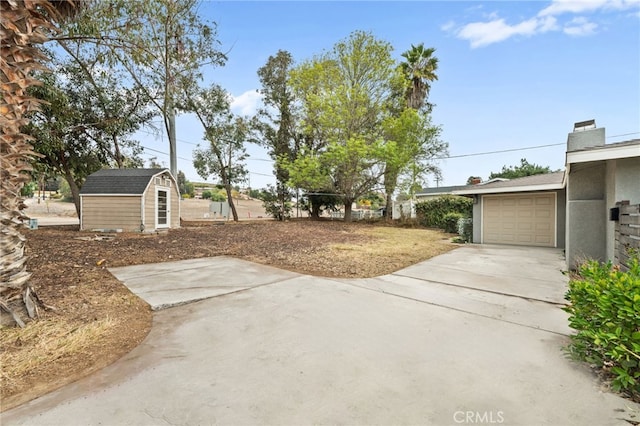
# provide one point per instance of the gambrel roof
(119, 181)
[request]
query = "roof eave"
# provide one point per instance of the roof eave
(602, 154)
(523, 188)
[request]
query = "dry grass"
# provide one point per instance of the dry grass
(395, 248)
(48, 341)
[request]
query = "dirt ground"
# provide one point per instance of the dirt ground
(97, 319)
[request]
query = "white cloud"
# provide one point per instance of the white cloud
(448, 26)
(496, 29)
(485, 33)
(580, 27)
(246, 103)
(559, 7)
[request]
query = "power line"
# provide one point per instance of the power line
(186, 159)
(521, 149)
(624, 134)
(475, 154)
(497, 152)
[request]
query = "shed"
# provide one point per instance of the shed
(130, 200)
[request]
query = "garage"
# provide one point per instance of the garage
(521, 219)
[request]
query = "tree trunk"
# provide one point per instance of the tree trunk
(315, 211)
(22, 28)
(347, 210)
(75, 190)
(232, 206)
(388, 213)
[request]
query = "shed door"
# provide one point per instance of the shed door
(523, 219)
(163, 218)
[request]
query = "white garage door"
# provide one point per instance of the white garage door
(519, 219)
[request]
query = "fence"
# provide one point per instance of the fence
(627, 232)
(358, 214)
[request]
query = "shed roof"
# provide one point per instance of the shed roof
(119, 181)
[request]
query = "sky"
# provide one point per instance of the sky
(512, 75)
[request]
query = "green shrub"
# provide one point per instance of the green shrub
(28, 189)
(273, 204)
(465, 229)
(206, 195)
(219, 196)
(604, 308)
(450, 222)
(436, 212)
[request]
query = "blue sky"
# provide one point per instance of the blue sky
(512, 74)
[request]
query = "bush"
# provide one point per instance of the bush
(465, 229)
(28, 189)
(436, 212)
(206, 195)
(219, 195)
(450, 222)
(273, 204)
(605, 310)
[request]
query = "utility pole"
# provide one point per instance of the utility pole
(173, 155)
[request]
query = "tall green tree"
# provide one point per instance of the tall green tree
(226, 135)
(345, 95)
(161, 45)
(184, 186)
(419, 67)
(278, 124)
(78, 132)
(410, 144)
(524, 169)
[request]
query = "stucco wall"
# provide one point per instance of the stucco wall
(587, 181)
(628, 180)
(585, 138)
(586, 236)
(477, 221)
(561, 217)
(111, 212)
(587, 215)
(622, 183)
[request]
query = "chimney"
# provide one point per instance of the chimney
(585, 135)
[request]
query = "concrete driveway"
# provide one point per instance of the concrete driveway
(474, 336)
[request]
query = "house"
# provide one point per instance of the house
(568, 209)
(141, 200)
(597, 176)
(524, 211)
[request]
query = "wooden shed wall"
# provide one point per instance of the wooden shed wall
(150, 205)
(111, 212)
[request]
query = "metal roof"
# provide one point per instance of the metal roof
(119, 181)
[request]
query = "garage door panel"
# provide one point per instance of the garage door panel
(525, 219)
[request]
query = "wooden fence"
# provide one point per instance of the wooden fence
(627, 233)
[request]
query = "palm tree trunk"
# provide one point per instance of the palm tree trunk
(22, 28)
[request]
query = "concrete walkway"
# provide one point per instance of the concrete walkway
(474, 336)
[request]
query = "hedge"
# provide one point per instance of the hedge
(604, 309)
(444, 212)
